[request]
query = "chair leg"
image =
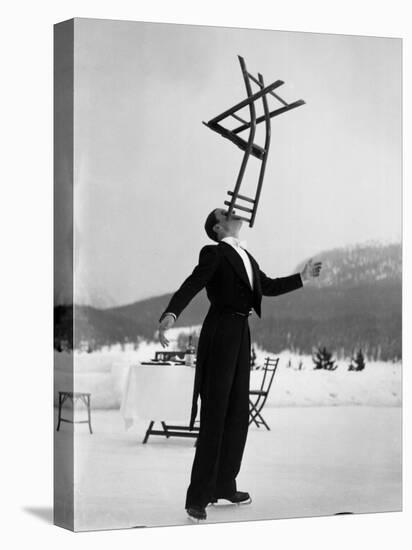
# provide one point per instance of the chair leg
(255, 413)
(261, 420)
(253, 419)
(60, 413)
(89, 414)
(252, 415)
(146, 437)
(165, 429)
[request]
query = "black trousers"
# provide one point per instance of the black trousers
(224, 413)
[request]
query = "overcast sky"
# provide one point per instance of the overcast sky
(147, 171)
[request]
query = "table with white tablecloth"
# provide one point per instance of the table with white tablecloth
(159, 393)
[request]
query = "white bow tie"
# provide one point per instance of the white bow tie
(242, 244)
(238, 243)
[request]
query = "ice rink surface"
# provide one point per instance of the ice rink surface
(314, 461)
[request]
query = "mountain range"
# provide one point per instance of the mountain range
(357, 302)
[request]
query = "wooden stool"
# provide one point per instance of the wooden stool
(74, 396)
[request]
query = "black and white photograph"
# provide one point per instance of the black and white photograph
(227, 274)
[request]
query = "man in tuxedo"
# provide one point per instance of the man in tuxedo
(235, 285)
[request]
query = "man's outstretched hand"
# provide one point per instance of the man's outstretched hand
(311, 270)
(167, 322)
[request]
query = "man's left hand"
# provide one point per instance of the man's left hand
(311, 270)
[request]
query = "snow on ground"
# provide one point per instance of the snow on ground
(317, 458)
(314, 461)
(379, 384)
(103, 373)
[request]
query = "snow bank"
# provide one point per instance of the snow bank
(380, 384)
(103, 374)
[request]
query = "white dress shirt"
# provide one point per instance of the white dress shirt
(240, 246)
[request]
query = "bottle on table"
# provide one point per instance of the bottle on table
(190, 354)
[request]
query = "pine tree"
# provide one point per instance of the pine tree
(323, 359)
(358, 362)
(352, 365)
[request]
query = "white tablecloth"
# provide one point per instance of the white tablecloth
(158, 392)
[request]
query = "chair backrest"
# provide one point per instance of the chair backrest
(269, 371)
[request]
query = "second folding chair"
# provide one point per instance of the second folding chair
(257, 398)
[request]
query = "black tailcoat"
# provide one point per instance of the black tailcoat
(223, 364)
(222, 272)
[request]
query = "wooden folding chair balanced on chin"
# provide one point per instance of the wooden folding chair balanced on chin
(248, 145)
(257, 398)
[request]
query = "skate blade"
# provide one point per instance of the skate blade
(195, 520)
(224, 502)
